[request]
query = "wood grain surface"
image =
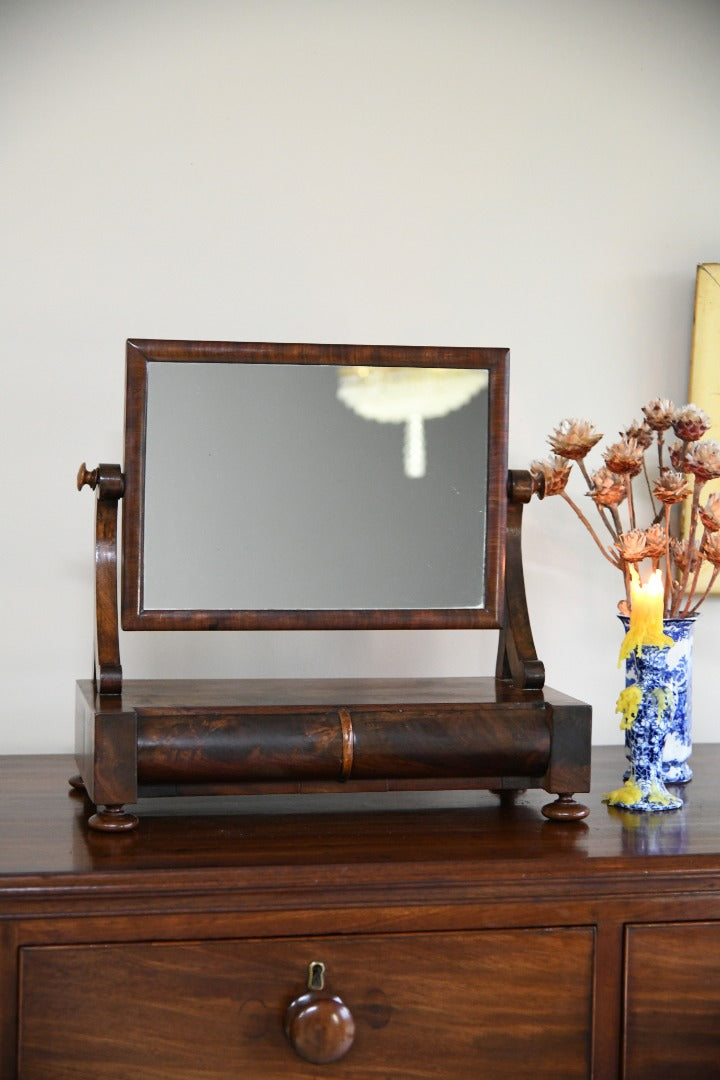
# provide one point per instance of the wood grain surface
(466, 935)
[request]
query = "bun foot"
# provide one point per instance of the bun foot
(113, 819)
(565, 809)
(76, 782)
(507, 796)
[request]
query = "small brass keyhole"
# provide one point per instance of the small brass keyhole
(316, 975)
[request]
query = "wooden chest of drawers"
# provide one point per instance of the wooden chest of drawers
(463, 938)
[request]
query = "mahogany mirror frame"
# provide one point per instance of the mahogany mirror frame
(142, 352)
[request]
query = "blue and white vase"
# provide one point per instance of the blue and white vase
(678, 741)
(677, 747)
(656, 710)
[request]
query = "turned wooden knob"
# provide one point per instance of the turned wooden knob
(318, 1024)
(86, 477)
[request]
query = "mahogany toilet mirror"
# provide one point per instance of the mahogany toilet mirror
(276, 486)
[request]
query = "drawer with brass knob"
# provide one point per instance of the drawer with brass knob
(425, 1005)
(319, 1024)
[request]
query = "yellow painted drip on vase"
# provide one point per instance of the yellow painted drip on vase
(665, 699)
(630, 794)
(627, 795)
(628, 705)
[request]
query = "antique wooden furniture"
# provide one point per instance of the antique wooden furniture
(151, 738)
(462, 938)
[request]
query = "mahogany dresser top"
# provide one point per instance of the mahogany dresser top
(355, 841)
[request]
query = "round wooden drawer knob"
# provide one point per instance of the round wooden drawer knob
(320, 1027)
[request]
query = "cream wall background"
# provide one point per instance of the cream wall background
(541, 174)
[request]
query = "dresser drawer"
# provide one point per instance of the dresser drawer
(438, 1005)
(672, 1007)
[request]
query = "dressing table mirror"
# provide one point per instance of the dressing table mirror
(293, 487)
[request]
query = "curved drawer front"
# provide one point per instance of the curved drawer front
(388, 742)
(516, 1003)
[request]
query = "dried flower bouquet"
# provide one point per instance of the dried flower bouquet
(679, 475)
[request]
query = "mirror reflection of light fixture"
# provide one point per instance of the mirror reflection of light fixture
(408, 396)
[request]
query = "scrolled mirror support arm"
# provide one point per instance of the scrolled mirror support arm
(108, 483)
(517, 659)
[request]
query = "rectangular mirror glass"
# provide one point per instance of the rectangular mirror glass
(312, 486)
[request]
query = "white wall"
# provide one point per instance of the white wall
(541, 174)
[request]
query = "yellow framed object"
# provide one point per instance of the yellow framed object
(704, 389)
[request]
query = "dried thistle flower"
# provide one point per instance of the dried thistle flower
(702, 459)
(655, 541)
(553, 472)
(607, 488)
(690, 423)
(624, 457)
(671, 487)
(574, 439)
(710, 513)
(710, 549)
(617, 489)
(641, 433)
(685, 557)
(632, 546)
(659, 413)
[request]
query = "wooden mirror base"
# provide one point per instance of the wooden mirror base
(163, 738)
